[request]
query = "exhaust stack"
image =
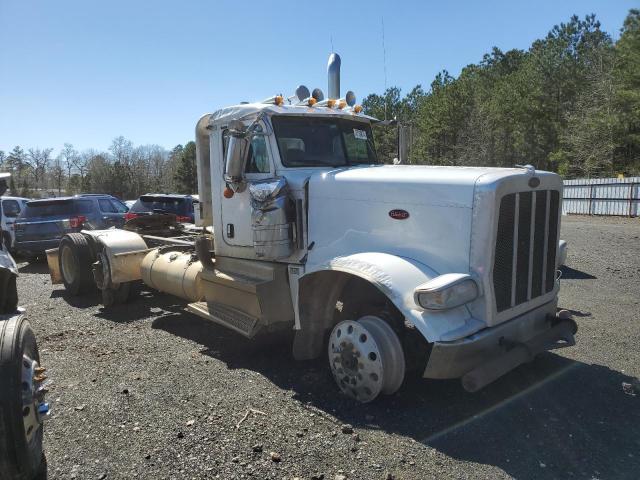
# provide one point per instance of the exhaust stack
(333, 73)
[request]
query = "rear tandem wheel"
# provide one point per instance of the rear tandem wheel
(75, 260)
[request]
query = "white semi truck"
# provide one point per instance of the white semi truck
(380, 268)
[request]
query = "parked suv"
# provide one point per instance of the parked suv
(10, 208)
(42, 223)
(182, 206)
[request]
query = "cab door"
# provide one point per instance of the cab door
(236, 211)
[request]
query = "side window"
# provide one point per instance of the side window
(11, 208)
(258, 158)
(84, 206)
(119, 207)
(225, 144)
(258, 161)
(106, 206)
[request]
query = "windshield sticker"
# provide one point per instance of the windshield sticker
(359, 134)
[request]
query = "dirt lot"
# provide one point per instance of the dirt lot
(149, 391)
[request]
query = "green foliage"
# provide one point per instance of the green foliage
(571, 103)
(627, 93)
(186, 176)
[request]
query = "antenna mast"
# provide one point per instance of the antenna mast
(384, 67)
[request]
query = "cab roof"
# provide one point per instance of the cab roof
(246, 110)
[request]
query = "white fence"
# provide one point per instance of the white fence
(602, 196)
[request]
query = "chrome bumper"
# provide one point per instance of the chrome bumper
(485, 356)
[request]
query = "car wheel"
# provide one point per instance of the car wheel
(75, 263)
(22, 407)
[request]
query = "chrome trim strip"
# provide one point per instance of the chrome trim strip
(543, 287)
(514, 255)
(532, 237)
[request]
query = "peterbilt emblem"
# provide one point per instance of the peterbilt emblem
(534, 182)
(399, 214)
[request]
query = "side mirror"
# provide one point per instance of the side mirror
(237, 151)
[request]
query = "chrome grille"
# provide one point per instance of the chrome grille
(526, 244)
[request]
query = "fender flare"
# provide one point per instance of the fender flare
(124, 251)
(397, 277)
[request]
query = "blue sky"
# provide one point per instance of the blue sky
(85, 71)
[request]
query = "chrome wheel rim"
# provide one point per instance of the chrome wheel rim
(366, 358)
(34, 408)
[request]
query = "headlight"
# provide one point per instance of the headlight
(446, 291)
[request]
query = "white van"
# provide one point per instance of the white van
(10, 208)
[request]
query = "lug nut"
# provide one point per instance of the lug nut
(41, 392)
(40, 378)
(40, 370)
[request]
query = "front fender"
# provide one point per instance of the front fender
(397, 277)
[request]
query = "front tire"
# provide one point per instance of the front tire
(366, 358)
(75, 263)
(21, 455)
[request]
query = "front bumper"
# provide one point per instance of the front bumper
(492, 352)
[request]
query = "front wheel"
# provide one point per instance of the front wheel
(366, 358)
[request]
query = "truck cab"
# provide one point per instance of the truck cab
(450, 271)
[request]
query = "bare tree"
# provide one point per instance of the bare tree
(57, 174)
(38, 160)
(68, 155)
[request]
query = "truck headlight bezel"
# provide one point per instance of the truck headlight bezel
(447, 291)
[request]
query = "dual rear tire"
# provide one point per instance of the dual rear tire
(75, 259)
(76, 262)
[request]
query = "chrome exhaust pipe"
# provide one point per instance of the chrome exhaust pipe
(333, 73)
(204, 170)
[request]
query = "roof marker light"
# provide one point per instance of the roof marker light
(357, 108)
(278, 100)
(331, 103)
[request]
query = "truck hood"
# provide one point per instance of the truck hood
(419, 212)
(404, 184)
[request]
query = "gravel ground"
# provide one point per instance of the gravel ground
(149, 391)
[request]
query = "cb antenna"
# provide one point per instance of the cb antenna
(384, 68)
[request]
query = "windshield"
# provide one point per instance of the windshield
(161, 204)
(321, 142)
(48, 208)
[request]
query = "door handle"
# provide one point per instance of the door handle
(230, 230)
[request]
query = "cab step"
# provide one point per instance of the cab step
(226, 316)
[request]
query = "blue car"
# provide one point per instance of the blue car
(42, 223)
